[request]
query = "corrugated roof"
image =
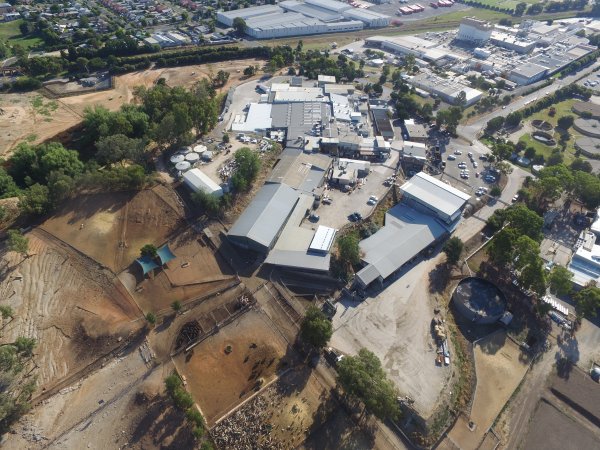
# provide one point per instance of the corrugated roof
(299, 260)
(435, 193)
(266, 215)
(405, 234)
(199, 181)
(323, 239)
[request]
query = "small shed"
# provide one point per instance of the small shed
(198, 181)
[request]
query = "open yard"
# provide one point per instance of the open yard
(552, 429)
(395, 324)
(75, 311)
(111, 228)
(229, 366)
(500, 366)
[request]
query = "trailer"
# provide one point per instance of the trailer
(419, 7)
(406, 11)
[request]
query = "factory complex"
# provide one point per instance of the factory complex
(521, 54)
(295, 18)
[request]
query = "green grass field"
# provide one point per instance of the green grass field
(10, 33)
(562, 109)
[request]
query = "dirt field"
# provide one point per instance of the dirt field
(219, 381)
(500, 366)
(21, 121)
(111, 228)
(551, 429)
(76, 311)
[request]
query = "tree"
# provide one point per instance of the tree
(501, 248)
(520, 9)
(363, 378)
(494, 125)
(348, 249)
(6, 312)
(513, 119)
(578, 164)
(248, 166)
(565, 122)
(149, 250)
(587, 302)
(525, 221)
(18, 243)
(209, 203)
(316, 329)
(35, 199)
(176, 305)
(25, 345)
(249, 71)
(226, 138)
(453, 248)
(461, 99)
(118, 148)
(560, 280)
(529, 153)
(239, 25)
(151, 318)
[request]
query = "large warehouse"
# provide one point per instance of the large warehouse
(295, 18)
(261, 222)
(432, 196)
(406, 233)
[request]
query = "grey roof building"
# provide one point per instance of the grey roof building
(261, 222)
(406, 233)
(432, 196)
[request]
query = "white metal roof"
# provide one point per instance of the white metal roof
(199, 181)
(323, 239)
(435, 193)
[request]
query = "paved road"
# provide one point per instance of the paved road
(470, 131)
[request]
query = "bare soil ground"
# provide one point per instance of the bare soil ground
(500, 366)
(111, 228)
(76, 311)
(118, 406)
(21, 121)
(219, 380)
(196, 261)
(552, 429)
(174, 76)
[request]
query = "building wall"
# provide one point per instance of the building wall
(472, 34)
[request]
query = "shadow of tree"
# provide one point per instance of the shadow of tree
(439, 278)
(567, 355)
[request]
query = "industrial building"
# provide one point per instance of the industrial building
(381, 122)
(447, 89)
(585, 262)
(474, 30)
(428, 212)
(406, 233)
(413, 156)
(432, 196)
(198, 181)
(261, 222)
(420, 48)
(295, 18)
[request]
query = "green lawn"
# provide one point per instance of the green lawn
(9, 32)
(562, 109)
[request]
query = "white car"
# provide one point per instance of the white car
(475, 165)
(457, 152)
(462, 165)
(374, 198)
(451, 157)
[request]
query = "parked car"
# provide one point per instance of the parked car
(451, 157)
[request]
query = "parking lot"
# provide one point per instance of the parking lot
(391, 9)
(343, 203)
(592, 81)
